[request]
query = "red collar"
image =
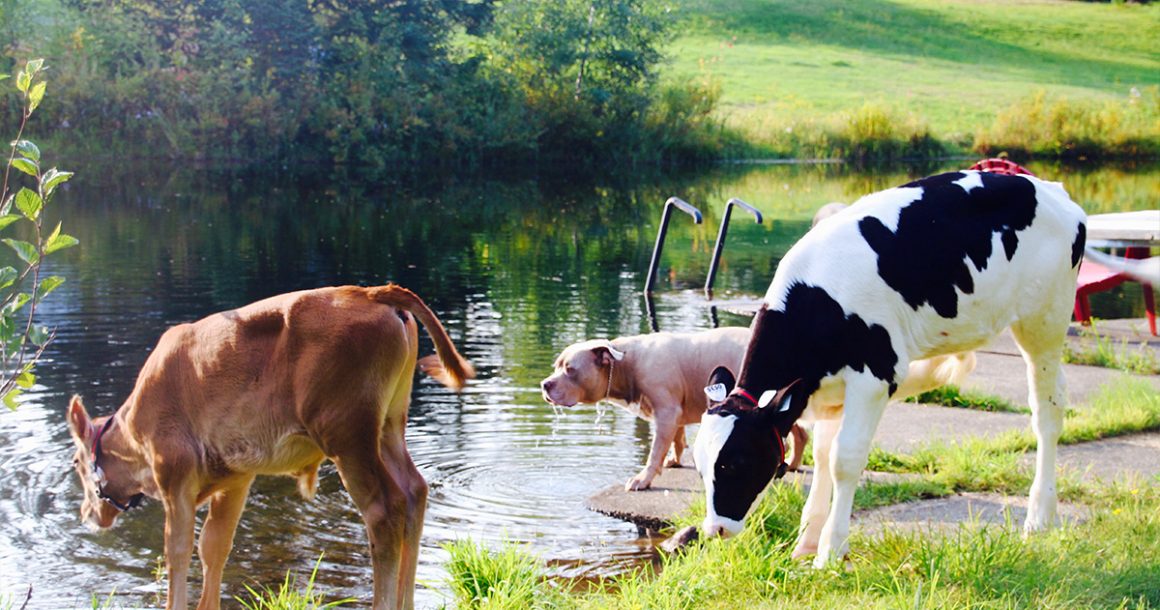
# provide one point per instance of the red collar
(739, 391)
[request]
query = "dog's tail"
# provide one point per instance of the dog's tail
(446, 365)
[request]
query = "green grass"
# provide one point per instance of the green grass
(994, 464)
(954, 396)
(287, 596)
(957, 73)
(1112, 561)
(1102, 351)
(478, 578)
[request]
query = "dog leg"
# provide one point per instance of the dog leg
(666, 430)
(679, 445)
(800, 438)
(217, 538)
(818, 502)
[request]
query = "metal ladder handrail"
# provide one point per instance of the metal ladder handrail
(719, 246)
(685, 207)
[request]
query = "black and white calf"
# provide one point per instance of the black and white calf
(927, 270)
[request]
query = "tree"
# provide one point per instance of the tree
(22, 288)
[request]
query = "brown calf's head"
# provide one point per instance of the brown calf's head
(582, 373)
(106, 479)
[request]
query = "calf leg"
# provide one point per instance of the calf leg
(1042, 347)
(180, 507)
(818, 502)
(865, 401)
(217, 538)
(403, 469)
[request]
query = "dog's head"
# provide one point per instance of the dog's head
(581, 373)
(106, 478)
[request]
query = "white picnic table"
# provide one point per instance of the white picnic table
(1124, 229)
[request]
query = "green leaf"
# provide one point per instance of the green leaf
(7, 276)
(29, 203)
(39, 335)
(17, 303)
(36, 95)
(3, 76)
(47, 285)
(23, 80)
(27, 166)
(10, 398)
(8, 219)
(34, 65)
(26, 251)
(28, 149)
(26, 380)
(51, 178)
(59, 242)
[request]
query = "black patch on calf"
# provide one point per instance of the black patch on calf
(743, 468)
(924, 260)
(1078, 245)
(810, 340)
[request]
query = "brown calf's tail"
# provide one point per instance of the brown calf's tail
(446, 365)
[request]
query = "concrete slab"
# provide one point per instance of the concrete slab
(951, 512)
(676, 489)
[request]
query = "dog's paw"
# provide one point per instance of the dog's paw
(673, 463)
(638, 483)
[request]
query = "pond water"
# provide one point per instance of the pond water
(516, 269)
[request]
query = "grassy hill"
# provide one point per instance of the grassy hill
(793, 75)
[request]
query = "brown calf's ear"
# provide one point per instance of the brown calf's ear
(78, 421)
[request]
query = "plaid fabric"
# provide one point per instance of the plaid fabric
(1000, 166)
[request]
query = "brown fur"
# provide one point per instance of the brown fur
(275, 387)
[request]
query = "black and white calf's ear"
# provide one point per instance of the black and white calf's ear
(721, 382)
(784, 406)
(606, 354)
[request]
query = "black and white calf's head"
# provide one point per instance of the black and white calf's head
(741, 447)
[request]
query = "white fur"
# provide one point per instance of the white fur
(715, 430)
(1032, 293)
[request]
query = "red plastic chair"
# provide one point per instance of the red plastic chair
(1094, 277)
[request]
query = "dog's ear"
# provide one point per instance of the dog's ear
(721, 382)
(79, 423)
(606, 353)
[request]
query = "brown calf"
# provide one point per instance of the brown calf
(274, 387)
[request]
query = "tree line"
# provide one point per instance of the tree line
(379, 83)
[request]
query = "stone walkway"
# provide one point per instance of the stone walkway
(905, 426)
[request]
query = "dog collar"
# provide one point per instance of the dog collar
(99, 474)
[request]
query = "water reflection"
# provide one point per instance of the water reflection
(516, 270)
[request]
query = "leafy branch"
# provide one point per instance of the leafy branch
(22, 288)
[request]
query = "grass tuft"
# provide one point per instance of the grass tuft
(954, 396)
(288, 597)
(1102, 351)
(479, 578)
